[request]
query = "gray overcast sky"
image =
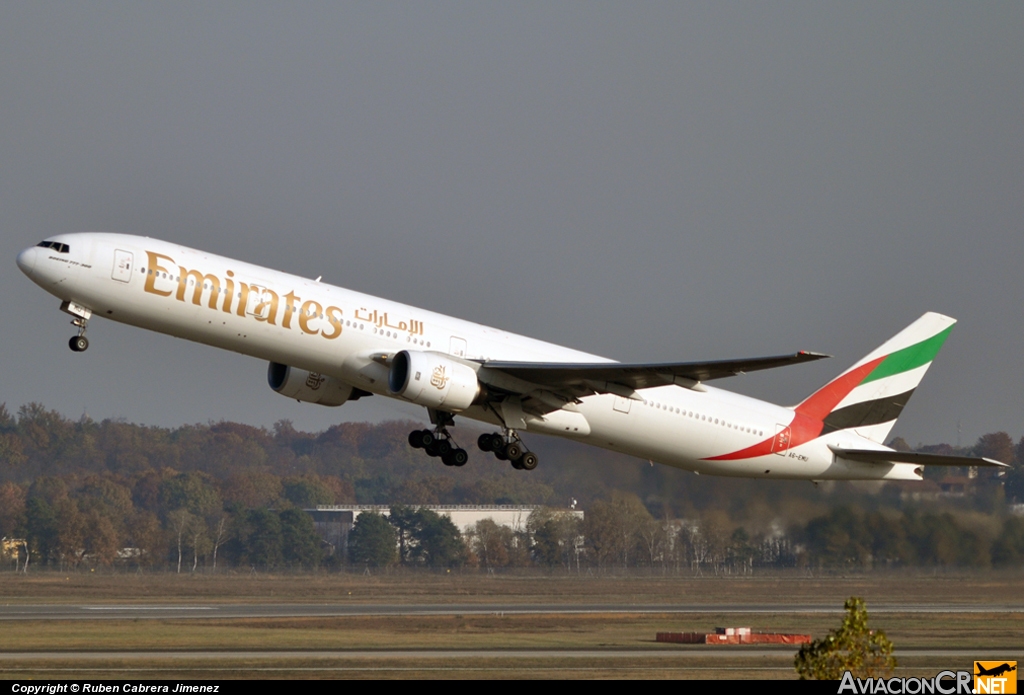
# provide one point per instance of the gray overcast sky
(646, 181)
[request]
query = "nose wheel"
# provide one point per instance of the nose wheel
(508, 447)
(79, 343)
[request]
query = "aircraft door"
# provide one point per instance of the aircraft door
(457, 347)
(781, 440)
(258, 303)
(124, 262)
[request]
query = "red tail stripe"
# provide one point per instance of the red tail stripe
(808, 421)
(800, 431)
(823, 401)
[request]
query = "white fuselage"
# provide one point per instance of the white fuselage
(320, 328)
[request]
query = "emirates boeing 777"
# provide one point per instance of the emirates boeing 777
(329, 345)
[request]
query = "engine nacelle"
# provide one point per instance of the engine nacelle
(433, 381)
(307, 386)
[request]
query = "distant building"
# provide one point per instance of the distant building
(334, 522)
(923, 491)
(956, 485)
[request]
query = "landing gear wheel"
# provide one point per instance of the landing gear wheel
(427, 437)
(443, 447)
(485, 442)
(514, 451)
(528, 461)
(78, 343)
(517, 464)
(455, 457)
(416, 439)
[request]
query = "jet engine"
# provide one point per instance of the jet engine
(310, 387)
(433, 381)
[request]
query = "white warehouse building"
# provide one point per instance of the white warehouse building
(333, 522)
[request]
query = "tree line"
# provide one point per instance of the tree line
(620, 533)
(201, 497)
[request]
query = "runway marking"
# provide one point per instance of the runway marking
(280, 611)
(148, 608)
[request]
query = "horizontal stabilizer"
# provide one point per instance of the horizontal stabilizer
(640, 376)
(876, 456)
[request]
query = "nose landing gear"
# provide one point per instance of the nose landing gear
(80, 320)
(79, 343)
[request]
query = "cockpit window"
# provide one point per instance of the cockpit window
(55, 245)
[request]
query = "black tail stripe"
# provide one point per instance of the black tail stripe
(867, 413)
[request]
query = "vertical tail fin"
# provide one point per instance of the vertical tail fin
(871, 394)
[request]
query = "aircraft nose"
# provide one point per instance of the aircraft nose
(27, 260)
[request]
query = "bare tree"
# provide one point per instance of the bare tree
(697, 545)
(654, 536)
(180, 520)
(197, 530)
(220, 535)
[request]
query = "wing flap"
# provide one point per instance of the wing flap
(623, 379)
(876, 456)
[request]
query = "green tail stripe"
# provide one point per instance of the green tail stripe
(909, 358)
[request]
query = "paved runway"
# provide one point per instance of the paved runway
(153, 611)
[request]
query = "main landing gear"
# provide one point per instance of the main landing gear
(439, 444)
(508, 447)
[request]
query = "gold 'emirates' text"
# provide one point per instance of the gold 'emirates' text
(234, 296)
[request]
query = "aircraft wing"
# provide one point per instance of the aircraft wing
(875, 456)
(624, 379)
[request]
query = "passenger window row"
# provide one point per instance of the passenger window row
(704, 418)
